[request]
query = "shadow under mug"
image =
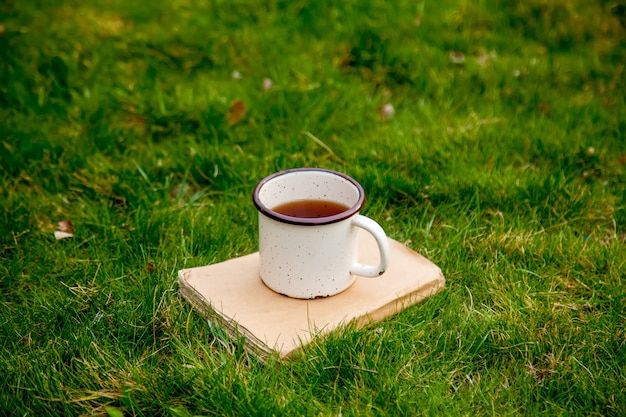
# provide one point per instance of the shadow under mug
(311, 257)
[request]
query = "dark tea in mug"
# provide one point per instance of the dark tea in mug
(310, 208)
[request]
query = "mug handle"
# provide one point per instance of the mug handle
(375, 230)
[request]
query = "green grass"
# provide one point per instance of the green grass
(505, 169)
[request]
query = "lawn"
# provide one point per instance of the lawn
(489, 137)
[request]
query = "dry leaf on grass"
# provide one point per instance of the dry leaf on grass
(62, 235)
(387, 111)
(456, 57)
(544, 109)
(236, 113)
(484, 57)
(66, 226)
(65, 230)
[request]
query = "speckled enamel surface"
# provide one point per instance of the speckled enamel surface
(306, 262)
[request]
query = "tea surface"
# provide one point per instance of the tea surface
(310, 208)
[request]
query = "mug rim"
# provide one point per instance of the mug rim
(308, 221)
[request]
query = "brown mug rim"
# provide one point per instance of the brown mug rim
(308, 221)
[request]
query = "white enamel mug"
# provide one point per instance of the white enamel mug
(310, 257)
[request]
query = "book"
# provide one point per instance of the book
(232, 295)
